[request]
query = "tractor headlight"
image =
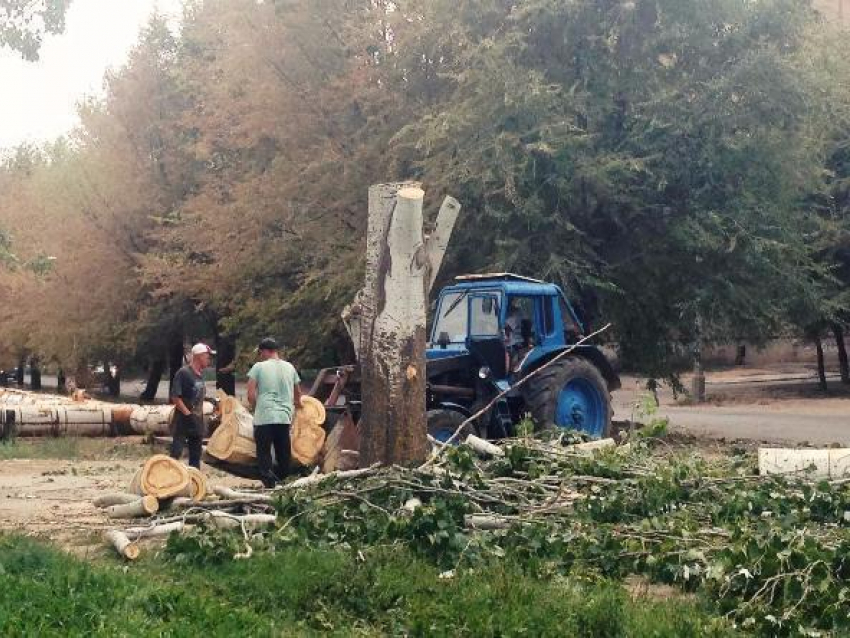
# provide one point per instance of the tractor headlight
(484, 373)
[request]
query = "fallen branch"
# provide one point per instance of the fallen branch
(120, 498)
(123, 545)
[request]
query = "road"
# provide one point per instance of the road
(770, 407)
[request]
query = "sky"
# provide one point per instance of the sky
(38, 99)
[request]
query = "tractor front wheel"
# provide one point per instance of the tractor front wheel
(570, 394)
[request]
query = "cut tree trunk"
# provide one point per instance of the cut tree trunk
(821, 365)
(155, 372)
(838, 331)
(393, 427)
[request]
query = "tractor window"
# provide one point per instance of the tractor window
(572, 330)
(453, 318)
(484, 314)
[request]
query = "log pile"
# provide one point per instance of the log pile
(233, 440)
(30, 414)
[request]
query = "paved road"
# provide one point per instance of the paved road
(745, 422)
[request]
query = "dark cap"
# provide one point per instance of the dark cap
(268, 344)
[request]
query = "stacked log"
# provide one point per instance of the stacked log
(28, 414)
(233, 440)
(161, 477)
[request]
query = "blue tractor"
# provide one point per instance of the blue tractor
(491, 331)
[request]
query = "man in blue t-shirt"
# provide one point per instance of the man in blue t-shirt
(273, 392)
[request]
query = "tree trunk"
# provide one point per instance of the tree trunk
(157, 367)
(838, 331)
(35, 375)
(392, 426)
(225, 376)
(821, 366)
(113, 381)
(19, 373)
(60, 381)
(175, 359)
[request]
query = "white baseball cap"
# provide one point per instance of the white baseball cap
(201, 348)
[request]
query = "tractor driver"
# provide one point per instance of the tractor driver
(517, 339)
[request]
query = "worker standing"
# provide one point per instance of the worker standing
(188, 392)
(273, 393)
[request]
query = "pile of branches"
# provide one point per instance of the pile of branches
(772, 552)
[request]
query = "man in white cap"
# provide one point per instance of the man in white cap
(188, 392)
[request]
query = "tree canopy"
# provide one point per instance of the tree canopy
(681, 167)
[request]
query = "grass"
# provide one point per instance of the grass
(72, 449)
(301, 592)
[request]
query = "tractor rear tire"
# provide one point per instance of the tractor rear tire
(570, 394)
(442, 424)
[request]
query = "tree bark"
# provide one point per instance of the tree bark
(821, 365)
(393, 428)
(19, 373)
(838, 331)
(175, 359)
(157, 367)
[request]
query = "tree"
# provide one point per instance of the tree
(23, 24)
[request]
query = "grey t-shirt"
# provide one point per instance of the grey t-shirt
(276, 381)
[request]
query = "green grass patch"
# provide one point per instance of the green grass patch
(318, 592)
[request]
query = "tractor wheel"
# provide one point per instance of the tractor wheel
(570, 394)
(443, 423)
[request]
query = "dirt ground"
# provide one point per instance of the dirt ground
(52, 498)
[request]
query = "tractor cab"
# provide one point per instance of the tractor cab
(507, 321)
(490, 331)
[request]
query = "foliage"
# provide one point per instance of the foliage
(679, 167)
(24, 23)
(306, 592)
(770, 553)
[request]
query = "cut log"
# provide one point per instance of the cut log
(161, 529)
(123, 545)
(812, 464)
(144, 506)
(197, 484)
(307, 435)
(223, 520)
(393, 428)
(482, 447)
(162, 477)
(120, 498)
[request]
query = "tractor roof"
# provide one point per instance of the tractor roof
(497, 276)
(508, 282)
